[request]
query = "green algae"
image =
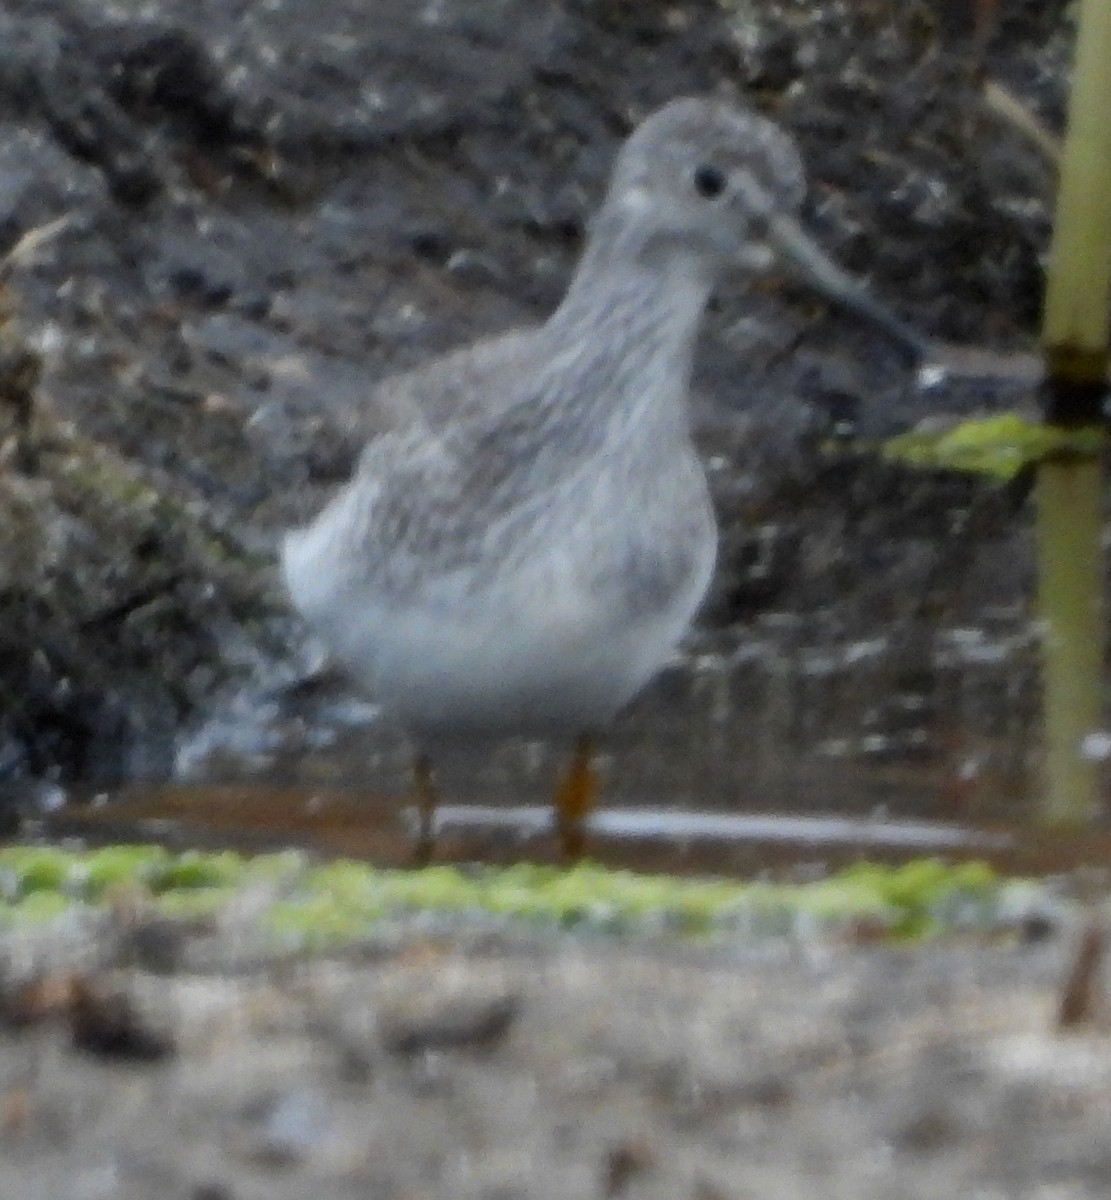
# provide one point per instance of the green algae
(998, 446)
(317, 904)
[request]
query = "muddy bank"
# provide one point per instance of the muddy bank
(259, 223)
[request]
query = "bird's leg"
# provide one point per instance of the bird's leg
(575, 797)
(424, 791)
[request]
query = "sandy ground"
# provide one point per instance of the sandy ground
(498, 1065)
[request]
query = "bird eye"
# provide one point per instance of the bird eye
(708, 181)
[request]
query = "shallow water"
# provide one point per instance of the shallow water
(773, 750)
(777, 719)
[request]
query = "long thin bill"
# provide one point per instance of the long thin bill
(821, 272)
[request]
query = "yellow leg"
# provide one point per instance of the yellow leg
(575, 798)
(424, 791)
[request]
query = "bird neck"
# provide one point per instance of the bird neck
(634, 317)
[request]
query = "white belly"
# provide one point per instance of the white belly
(536, 653)
(553, 636)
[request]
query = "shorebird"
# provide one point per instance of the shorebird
(525, 556)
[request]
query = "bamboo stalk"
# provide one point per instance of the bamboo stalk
(1070, 489)
(1069, 527)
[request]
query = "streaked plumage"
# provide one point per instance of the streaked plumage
(526, 557)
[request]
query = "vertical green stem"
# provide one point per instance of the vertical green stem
(1075, 335)
(1069, 531)
(1078, 288)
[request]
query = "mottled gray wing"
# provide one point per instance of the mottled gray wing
(443, 489)
(464, 385)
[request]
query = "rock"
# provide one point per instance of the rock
(446, 1012)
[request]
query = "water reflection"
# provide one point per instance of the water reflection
(789, 717)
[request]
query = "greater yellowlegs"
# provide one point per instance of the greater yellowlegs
(528, 554)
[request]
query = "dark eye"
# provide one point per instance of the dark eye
(708, 181)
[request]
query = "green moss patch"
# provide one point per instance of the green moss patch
(999, 446)
(314, 904)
